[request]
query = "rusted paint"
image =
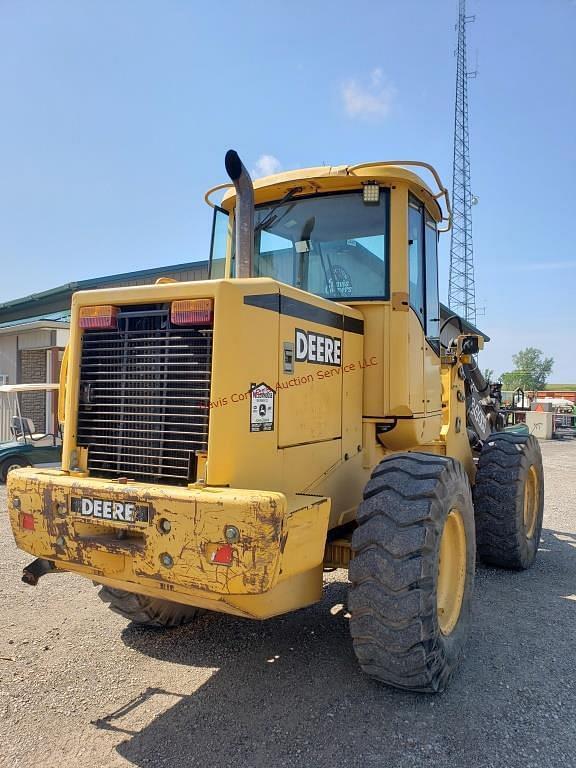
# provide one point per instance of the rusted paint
(198, 516)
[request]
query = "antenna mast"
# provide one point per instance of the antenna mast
(462, 289)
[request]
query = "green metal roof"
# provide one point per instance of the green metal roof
(97, 282)
(58, 299)
(53, 317)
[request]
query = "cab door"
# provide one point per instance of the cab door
(432, 379)
(417, 296)
(424, 343)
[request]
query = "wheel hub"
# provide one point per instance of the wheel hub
(451, 572)
(531, 502)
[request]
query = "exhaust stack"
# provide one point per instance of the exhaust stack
(244, 213)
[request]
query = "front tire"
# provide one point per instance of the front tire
(148, 611)
(509, 500)
(12, 462)
(412, 571)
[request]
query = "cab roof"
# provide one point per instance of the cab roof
(333, 178)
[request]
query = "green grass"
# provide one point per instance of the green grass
(565, 387)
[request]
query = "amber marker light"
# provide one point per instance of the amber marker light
(102, 317)
(192, 312)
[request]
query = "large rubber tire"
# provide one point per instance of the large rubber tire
(509, 469)
(13, 462)
(148, 611)
(393, 599)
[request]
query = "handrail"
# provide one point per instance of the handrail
(227, 185)
(442, 193)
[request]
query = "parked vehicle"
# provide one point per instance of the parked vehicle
(28, 447)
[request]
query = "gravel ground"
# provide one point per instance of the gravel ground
(80, 687)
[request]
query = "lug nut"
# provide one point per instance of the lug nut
(231, 534)
(166, 560)
(165, 525)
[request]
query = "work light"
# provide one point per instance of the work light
(371, 192)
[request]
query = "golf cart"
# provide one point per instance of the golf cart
(27, 447)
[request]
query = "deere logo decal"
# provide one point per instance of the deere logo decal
(318, 348)
(104, 509)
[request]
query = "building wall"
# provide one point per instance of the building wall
(566, 394)
(9, 357)
(32, 357)
(32, 370)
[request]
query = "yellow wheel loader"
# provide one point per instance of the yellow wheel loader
(304, 409)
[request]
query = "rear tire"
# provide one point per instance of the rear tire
(148, 611)
(12, 462)
(509, 500)
(412, 571)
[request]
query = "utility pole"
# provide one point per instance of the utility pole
(462, 289)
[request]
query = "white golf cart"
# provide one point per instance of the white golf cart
(27, 447)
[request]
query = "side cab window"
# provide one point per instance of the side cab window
(416, 256)
(219, 243)
(423, 269)
(431, 269)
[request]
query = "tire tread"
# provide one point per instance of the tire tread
(147, 611)
(392, 599)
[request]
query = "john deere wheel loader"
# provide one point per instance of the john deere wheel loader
(227, 440)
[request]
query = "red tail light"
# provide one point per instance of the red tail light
(27, 521)
(223, 555)
(192, 312)
(102, 317)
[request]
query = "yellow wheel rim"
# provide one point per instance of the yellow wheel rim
(451, 572)
(531, 502)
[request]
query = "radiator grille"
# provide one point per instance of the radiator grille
(145, 397)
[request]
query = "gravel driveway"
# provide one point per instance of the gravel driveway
(79, 687)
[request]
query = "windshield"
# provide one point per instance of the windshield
(334, 246)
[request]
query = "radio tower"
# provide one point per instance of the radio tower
(461, 289)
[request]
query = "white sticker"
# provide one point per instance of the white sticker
(262, 408)
(317, 348)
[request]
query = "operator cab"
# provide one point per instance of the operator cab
(336, 232)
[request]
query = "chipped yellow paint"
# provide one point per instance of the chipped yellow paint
(278, 540)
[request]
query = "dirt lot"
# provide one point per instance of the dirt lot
(79, 687)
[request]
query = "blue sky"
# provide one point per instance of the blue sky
(116, 115)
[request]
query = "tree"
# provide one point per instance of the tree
(531, 370)
(488, 374)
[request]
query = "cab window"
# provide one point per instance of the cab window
(432, 297)
(416, 257)
(333, 245)
(423, 269)
(218, 243)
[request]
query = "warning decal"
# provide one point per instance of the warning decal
(261, 408)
